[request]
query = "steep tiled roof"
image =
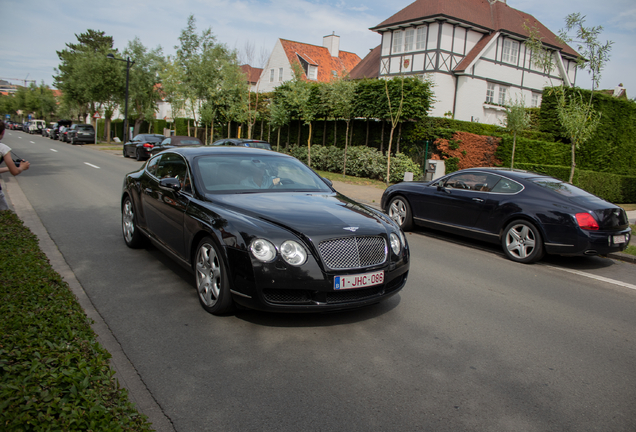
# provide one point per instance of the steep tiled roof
(369, 66)
(496, 16)
(321, 57)
(252, 73)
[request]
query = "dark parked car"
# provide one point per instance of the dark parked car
(176, 141)
(63, 133)
(81, 133)
(54, 133)
(260, 229)
(47, 130)
(527, 213)
(141, 145)
(243, 143)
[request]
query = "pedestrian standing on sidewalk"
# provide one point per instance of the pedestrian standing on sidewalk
(5, 152)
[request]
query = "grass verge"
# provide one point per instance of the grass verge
(352, 180)
(54, 375)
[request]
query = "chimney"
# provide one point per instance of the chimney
(332, 43)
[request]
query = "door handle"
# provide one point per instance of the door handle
(478, 199)
(148, 190)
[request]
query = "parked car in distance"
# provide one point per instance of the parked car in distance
(63, 133)
(54, 133)
(141, 145)
(47, 130)
(81, 133)
(528, 213)
(36, 126)
(261, 229)
(243, 143)
(176, 141)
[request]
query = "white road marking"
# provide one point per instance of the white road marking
(53, 150)
(31, 142)
(91, 165)
(599, 278)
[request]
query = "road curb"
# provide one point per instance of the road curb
(126, 373)
(623, 257)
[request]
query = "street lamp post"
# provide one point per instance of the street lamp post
(128, 66)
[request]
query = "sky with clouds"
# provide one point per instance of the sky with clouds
(32, 32)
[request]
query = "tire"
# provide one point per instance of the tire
(400, 211)
(125, 154)
(211, 279)
(138, 155)
(132, 236)
(73, 141)
(522, 242)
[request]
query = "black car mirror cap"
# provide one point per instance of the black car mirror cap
(170, 183)
(326, 180)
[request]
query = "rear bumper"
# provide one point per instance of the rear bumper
(592, 243)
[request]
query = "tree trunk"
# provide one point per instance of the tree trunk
(229, 128)
(397, 144)
(309, 147)
(388, 156)
(573, 161)
(107, 127)
(278, 141)
(344, 166)
(514, 144)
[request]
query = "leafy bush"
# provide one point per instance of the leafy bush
(54, 375)
(362, 161)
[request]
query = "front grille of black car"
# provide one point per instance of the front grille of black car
(353, 252)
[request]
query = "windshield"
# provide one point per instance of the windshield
(249, 174)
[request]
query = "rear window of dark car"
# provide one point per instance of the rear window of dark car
(85, 128)
(187, 142)
(151, 138)
(560, 187)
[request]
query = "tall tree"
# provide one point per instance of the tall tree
(339, 96)
(143, 82)
(517, 120)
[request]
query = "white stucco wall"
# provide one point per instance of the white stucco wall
(278, 59)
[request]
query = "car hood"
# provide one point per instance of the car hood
(316, 215)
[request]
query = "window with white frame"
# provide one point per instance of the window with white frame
(271, 75)
(312, 73)
(502, 95)
(409, 34)
(280, 74)
(420, 38)
(510, 51)
(535, 100)
(398, 37)
(490, 93)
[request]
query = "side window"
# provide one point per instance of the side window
(507, 186)
(174, 166)
(165, 142)
(480, 182)
(152, 165)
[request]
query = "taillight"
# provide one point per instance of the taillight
(586, 221)
(148, 145)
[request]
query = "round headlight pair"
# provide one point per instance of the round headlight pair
(396, 245)
(292, 252)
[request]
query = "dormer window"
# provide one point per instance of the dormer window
(312, 74)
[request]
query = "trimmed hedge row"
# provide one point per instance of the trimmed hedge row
(611, 187)
(54, 375)
(362, 161)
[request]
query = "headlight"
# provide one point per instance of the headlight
(263, 250)
(293, 253)
(395, 243)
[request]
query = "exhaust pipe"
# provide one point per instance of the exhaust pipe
(590, 252)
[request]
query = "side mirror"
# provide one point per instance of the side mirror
(170, 183)
(326, 180)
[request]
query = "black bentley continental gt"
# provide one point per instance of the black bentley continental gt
(262, 230)
(528, 213)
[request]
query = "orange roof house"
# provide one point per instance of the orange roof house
(252, 75)
(474, 53)
(318, 63)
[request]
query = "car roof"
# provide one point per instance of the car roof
(191, 152)
(508, 172)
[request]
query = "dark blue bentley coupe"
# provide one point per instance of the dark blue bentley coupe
(528, 213)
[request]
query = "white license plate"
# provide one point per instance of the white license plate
(358, 281)
(619, 239)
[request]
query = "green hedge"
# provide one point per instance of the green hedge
(362, 161)
(611, 187)
(533, 152)
(54, 375)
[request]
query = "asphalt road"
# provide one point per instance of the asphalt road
(473, 343)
